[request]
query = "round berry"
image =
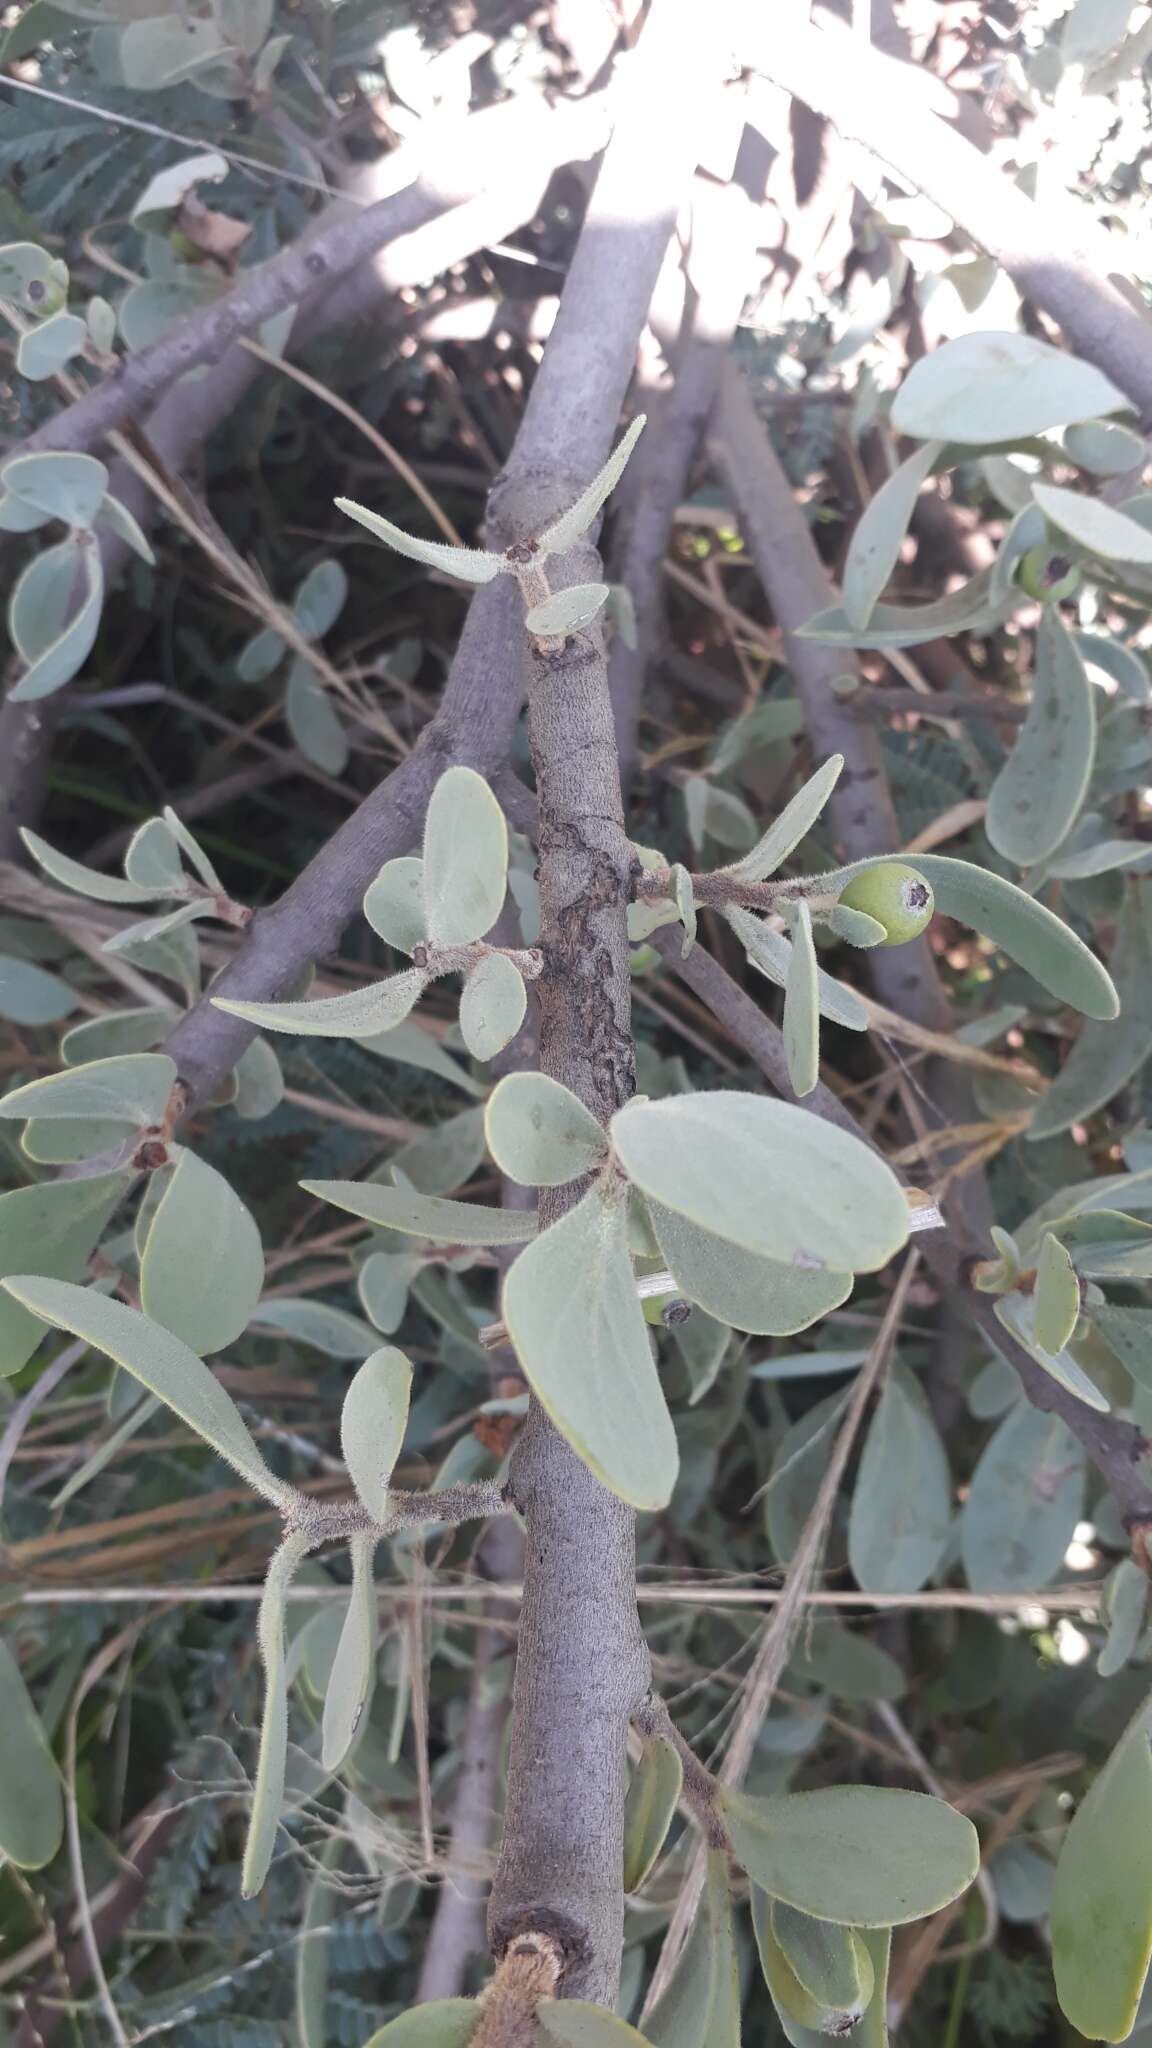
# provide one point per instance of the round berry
(896, 896)
(1045, 574)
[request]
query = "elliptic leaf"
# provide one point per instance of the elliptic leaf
(54, 1228)
(1105, 448)
(362, 1010)
(426, 1216)
(1023, 1504)
(313, 1322)
(394, 904)
(45, 349)
(767, 1176)
(259, 1079)
(131, 1087)
(764, 1296)
(31, 1804)
(575, 1319)
(794, 824)
(1102, 1899)
(574, 523)
(372, 1424)
(539, 1132)
(1036, 798)
(320, 599)
(999, 387)
(53, 633)
(383, 1284)
(566, 610)
(153, 858)
(160, 1362)
(465, 859)
(1124, 1606)
(653, 1795)
(128, 529)
(1056, 1298)
(313, 721)
(353, 1666)
(28, 995)
(1017, 1312)
(444, 1156)
(443, 2023)
(874, 549)
(801, 1007)
(831, 1962)
(64, 485)
(1107, 1055)
(901, 1506)
(492, 1006)
(1126, 1331)
(203, 1264)
(801, 2014)
(573, 2023)
(268, 1791)
(1098, 527)
(470, 565)
(702, 2001)
(857, 1854)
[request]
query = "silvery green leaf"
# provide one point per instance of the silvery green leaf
(855, 927)
(1101, 1921)
(174, 956)
(29, 995)
(1056, 1296)
(394, 904)
(134, 1087)
(31, 1801)
(63, 485)
(685, 906)
(166, 192)
(1100, 857)
(1020, 926)
(566, 610)
(1123, 1606)
(51, 1228)
(313, 1322)
(52, 634)
(999, 387)
(425, 1216)
(59, 867)
(492, 1006)
(1028, 529)
(1036, 798)
(801, 1007)
(268, 1791)
(43, 350)
(1090, 29)
(971, 609)
(1017, 1312)
(803, 1365)
(320, 599)
(383, 1283)
(771, 953)
(859, 1855)
(702, 2000)
(1128, 1333)
(1105, 448)
(192, 849)
(794, 824)
(24, 265)
(1109, 534)
(574, 2023)
(354, 1665)
(145, 1407)
(572, 1294)
(1024, 1501)
(465, 859)
(442, 2023)
(901, 1505)
(203, 1264)
(1007, 482)
(372, 1424)
(127, 528)
(260, 655)
(160, 1362)
(766, 1175)
(540, 1133)
(362, 1012)
(1123, 664)
(63, 1140)
(1106, 1055)
(444, 1155)
(259, 1081)
(16, 517)
(650, 1808)
(830, 1962)
(150, 928)
(313, 721)
(874, 549)
(413, 1046)
(160, 50)
(470, 565)
(573, 524)
(804, 2019)
(153, 858)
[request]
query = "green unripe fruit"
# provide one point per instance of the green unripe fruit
(1045, 574)
(896, 896)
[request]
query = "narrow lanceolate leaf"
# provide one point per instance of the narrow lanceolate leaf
(771, 953)
(574, 523)
(190, 845)
(1017, 1312)
(976, 608)
(702, 2000)
(901, 1507)
(1056, 1300)
(1102, 1899)
(492, 1006)
(426, 1216)
(802, 1007)
(857, 1854)
(794, 824)
(1000, 387)
(87, 881)
(471, 565)
(539, 1132)
(571, 1297)
(1020, 926)
(767, 1176)
(353, 1666)
(53, 1229)
(362, 1012)
(314, 1322)
(394, 903)
(160, 1362)
(1123, 1607)
(156, 927)
(31, 1805)
(653, 1795)
(566, 611)
(203, 1266)
(1024, 1501)
(1098, 527)
(130, 1088)
(875, 546)
(372, 1424)
(465, 859)
(1107, 1055)
(1036, 798)
(268, 1790)
(760, 1295)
